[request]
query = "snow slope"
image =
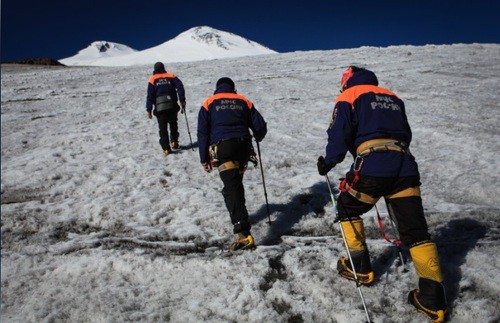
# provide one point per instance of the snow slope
(97, 51)
(97, 226)
(195, 44)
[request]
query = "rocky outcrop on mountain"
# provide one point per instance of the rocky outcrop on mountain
(40, 61)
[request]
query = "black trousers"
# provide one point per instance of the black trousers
(235, 150)
(167, 118)
(408, 211)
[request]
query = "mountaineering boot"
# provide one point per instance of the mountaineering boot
(166, 152)
(174, 144)
(355, 238)
(429, 299)
(244, 242)
(345, 270)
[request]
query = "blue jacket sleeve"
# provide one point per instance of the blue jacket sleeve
(258, 124)
(407, 124)
(204, 135)
(151, 99)
(180, 89)
(340, 134)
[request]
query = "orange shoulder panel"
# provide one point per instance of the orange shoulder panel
(226, 96)
(350, 95)
(160, 76)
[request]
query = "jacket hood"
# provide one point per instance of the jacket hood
(362, 77)
(225, 88)
(159, 68)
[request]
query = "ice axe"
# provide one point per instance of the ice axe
(187, 125)
(263, 182)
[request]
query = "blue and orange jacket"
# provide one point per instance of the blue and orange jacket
(164, 84)
(227, 115)
(365, 111)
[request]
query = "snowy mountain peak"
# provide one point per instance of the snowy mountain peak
(197, 43)
(214, 37)
(105, 46)
(209, 36)
(96, 51)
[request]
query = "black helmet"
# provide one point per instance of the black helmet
(159, 68)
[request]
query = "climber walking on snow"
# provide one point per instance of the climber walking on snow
(164, 90)
(370, 122)
(225, 142)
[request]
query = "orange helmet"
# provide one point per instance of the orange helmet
(349, 72)
(345, 77)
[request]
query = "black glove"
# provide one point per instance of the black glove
(253, 158)
(323, 168)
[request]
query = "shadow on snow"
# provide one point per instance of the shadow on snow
(454, 242)
(285, 216)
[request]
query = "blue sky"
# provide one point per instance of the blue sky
(59, 29)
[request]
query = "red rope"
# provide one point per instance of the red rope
(344, 187)
(381, 226)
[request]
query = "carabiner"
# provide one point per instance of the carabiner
(358, 163)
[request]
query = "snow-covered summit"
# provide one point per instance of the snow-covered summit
(97, 50)
(221, 39)
(195, 44)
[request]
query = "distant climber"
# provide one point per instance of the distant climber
(225, 142)
(164, 90)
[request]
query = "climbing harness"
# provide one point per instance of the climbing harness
(364, 150)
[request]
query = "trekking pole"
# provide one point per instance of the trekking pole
(390, 211)
(263, 182)
(358, 285)
(187, 124)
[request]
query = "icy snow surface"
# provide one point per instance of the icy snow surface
(97, 226)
